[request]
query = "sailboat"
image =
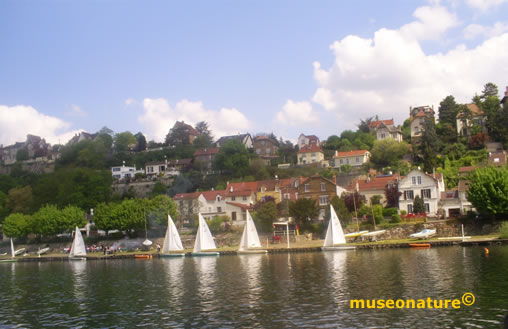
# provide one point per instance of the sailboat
(250, 238)
(334, 234)
(13, 255)
(172, 243)
(78, 250)
(204, 240)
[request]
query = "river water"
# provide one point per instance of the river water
(299, 290)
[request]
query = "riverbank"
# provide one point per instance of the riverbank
(295, 247)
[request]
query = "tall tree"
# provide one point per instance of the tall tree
(303, 211)
(488, 190)
(178, 135)
(232, 158)
(429, 145)
(364, 125)
(418, 205)
(265, 215)
(353, 201)
(140, 142)
(489, 89)
(448, 110)
(124, 141)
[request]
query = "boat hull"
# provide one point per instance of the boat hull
(19, 251)
(252, 251)
(143, 256)
(172, 255)
(8, 260)
(205, 253)
(336, 248)
(419, 245)
(77, 258)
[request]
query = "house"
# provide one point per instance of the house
(175, 167)
(35, 146)
(246, 140)
(428, 187)
(374, 185)
(310, 154)
(353, 158)
(208, 203)
(266, 148)
(156, 168)
(417, 116)
(307, 140)
(320, 189)
(8, 153)
(125, 172)
(385, 129)
(279, 189)
(240, 197)
(204, 159)
(470, 118)
(189, 130)
(82, 136)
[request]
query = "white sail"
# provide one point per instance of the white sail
(172, 240)
(250, 238)
(204, 239)
(13, 254)
(334, 233)
(78, 245)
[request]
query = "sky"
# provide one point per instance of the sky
(287, 67)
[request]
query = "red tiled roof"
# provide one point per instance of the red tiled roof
(466, 169)
(240, 205)
(207, 151)
(377, 123)
(374, 184)
(310, 148)
(181, 196)
(452, 194)
(349, 153)
(212, 195)
(241, 188)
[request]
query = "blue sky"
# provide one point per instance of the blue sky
(316, 67)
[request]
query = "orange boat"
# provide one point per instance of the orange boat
(143, 256)
(419, 245)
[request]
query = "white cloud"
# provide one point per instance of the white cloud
(76, 111)
(389, 73)
(484, 5)
(18, 121)
(473, 31)
(296, 113)
(130, 101)
(159, 117)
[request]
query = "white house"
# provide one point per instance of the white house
(307, 140)
(428, 187)
(417, 116)
(156, 167)
(353, 158)
(246, 140)
(122, 172)
(384, 131)
(208, 203)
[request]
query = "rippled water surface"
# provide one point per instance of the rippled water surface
(307, 290)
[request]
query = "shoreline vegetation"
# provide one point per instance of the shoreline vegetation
(295, 247)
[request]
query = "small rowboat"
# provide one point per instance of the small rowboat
(420, 245)
(143, 256)
(355, 234)
(19, 251)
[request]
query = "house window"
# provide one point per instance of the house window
(307, 187)
(425, 193)
(150, 169)
(383, 136)
(416, 180)
(286, 196)
(233, 198)
(116, 169)
(416, 130)
(419, 180)
(427, 208)
(313, 154)
(262, 143)
(323, 200)
(357, 160)
(127, 175)
(323, 187)
(340, 161)
(347, 161)
(219, 209)
(244, 198)
(117, 176)
(218, 198)
(408, 195)
(409, 208)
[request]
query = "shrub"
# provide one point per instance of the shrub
(503, 230)
(389, 212)
(395, 218)
(215, 224)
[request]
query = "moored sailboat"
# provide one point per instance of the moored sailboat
(172, 245)
(78, 249)
(250, 238)
(204, 240)
(334, 234)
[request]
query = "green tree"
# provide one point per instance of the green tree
(3, 206)
(20, 199)
(387, 153)
(232, 158)
(124, 141)
(140, 142)
(488, 190)
(48, 221)
(178, 136)
(158, 189)
(205, 139)
(73, 216)
(17, 225)
(265, 215)
(22, 155)
(364, 125)
(104, 217)
(340, 209)
(448, 110)
(159, 207)
(489, 89)
(429, 145)
(304, 211)
(418, 205)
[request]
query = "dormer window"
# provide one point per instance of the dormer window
(218, 198)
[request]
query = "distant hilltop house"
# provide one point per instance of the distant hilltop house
(472, 116)
(307, 140)
(167, 167)
(374, 185)
(417, 116)
(245, 139)
(386, 129)
(354, 158)
(125, 172)
(266, 148)
(191, 132)
(35, 147)
(82, 136)
(310, 154)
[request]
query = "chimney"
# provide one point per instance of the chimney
(335, 179)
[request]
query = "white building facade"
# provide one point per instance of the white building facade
(426, 186)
